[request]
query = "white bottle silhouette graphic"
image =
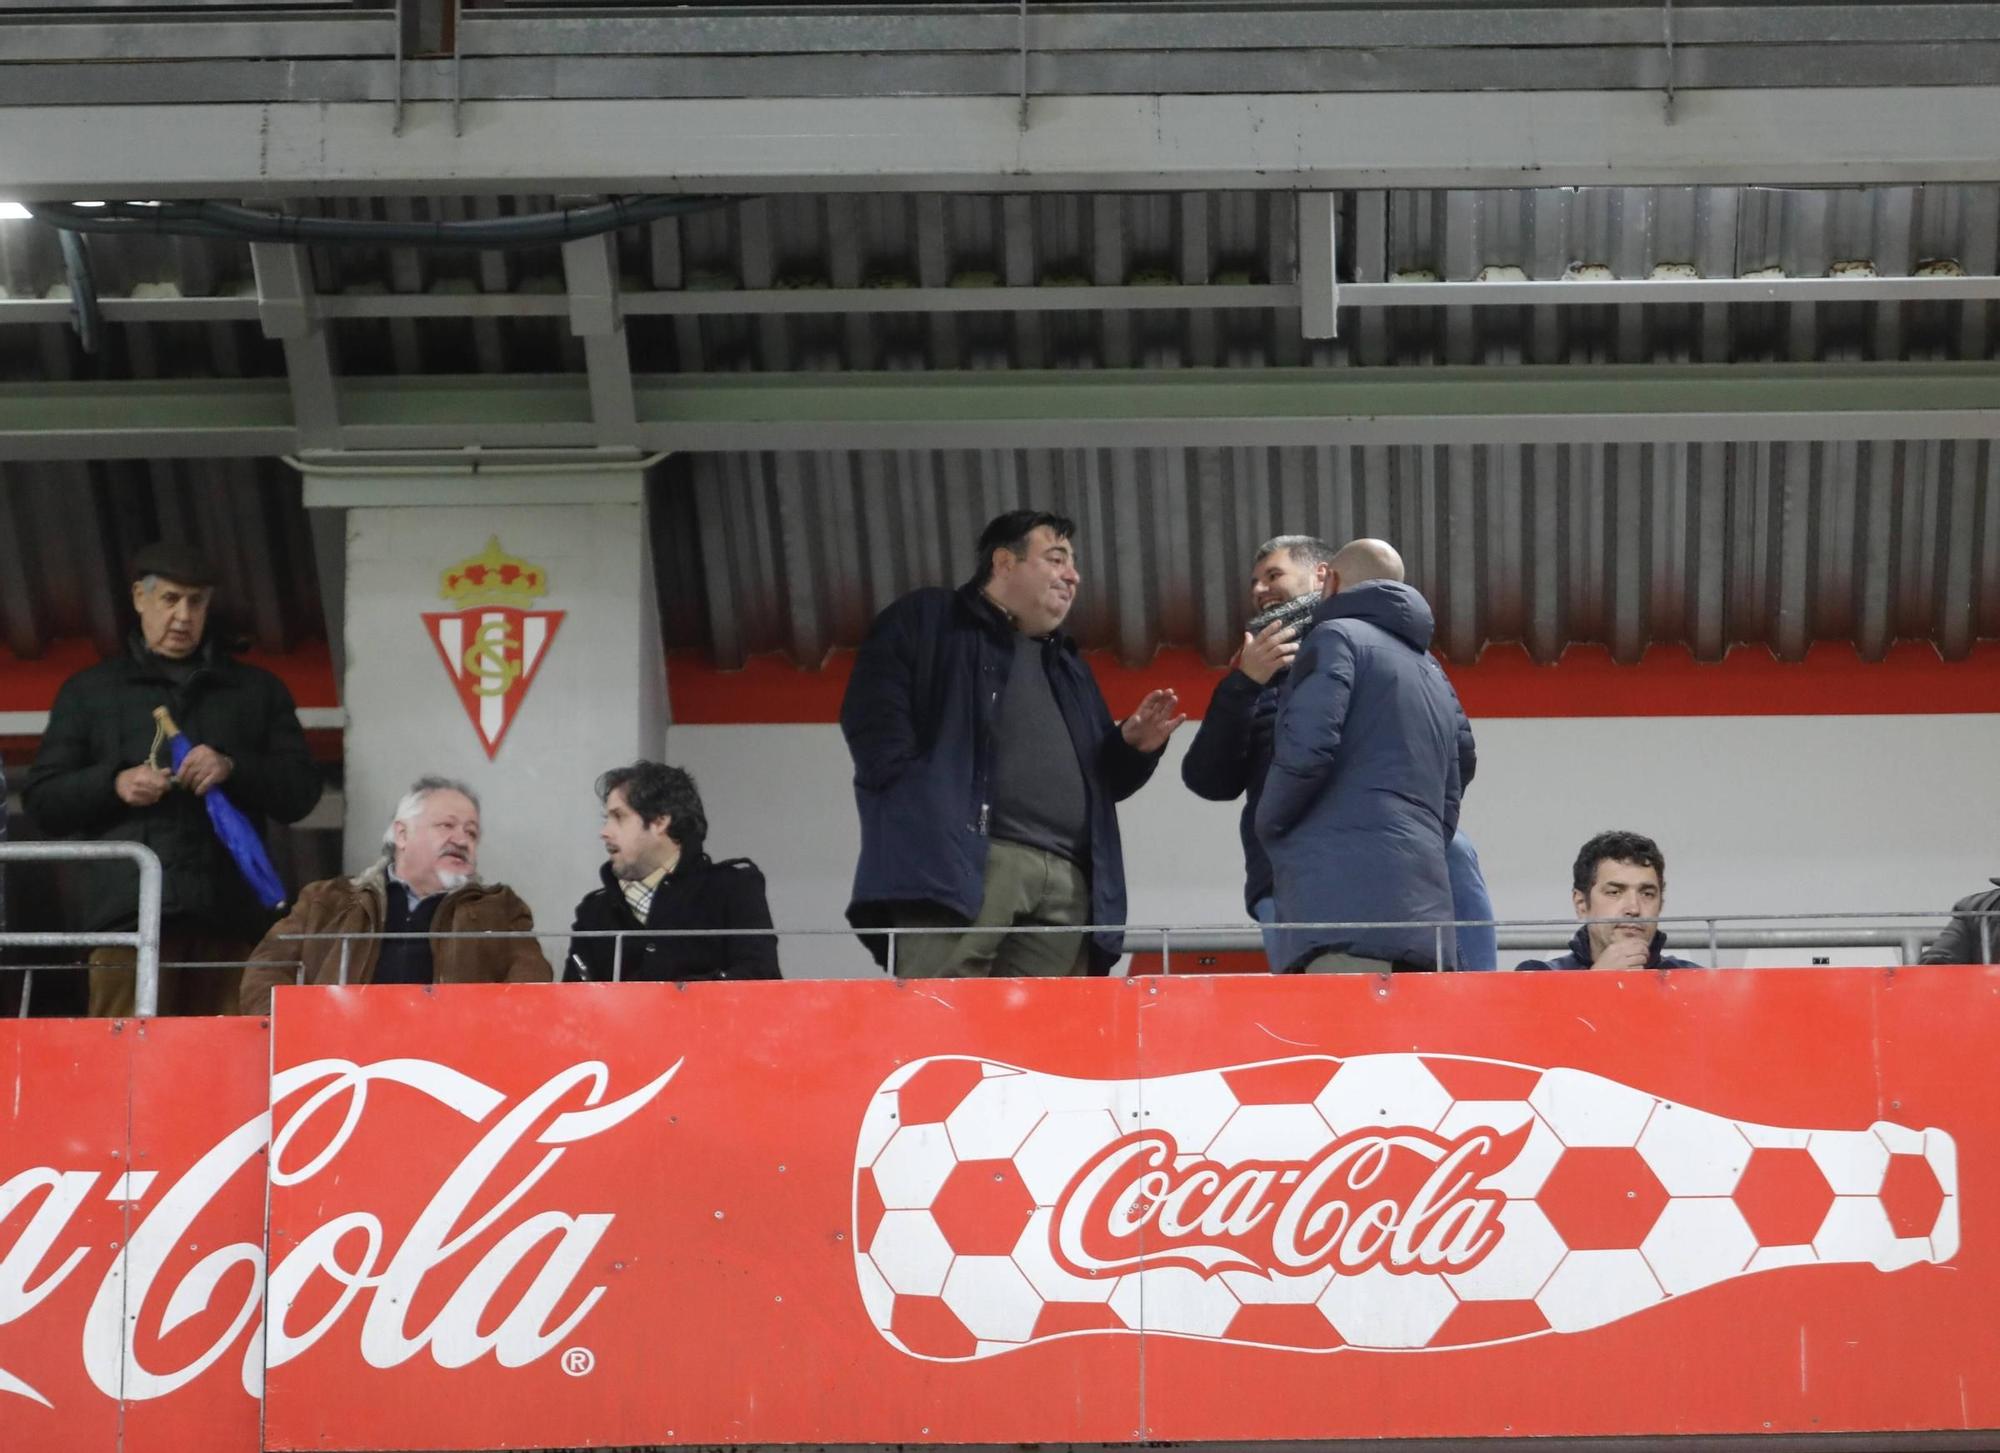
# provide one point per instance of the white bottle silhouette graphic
(1398, 1202)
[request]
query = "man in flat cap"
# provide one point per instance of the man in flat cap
(103, 772)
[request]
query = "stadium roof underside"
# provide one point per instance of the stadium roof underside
(1632, 323)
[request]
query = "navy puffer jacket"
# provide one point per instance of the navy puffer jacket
(1370, 752)
(918, 717)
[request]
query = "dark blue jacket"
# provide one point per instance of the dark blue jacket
(1578, 956)
(1370, 751)
(918, 717)
(1228, 759)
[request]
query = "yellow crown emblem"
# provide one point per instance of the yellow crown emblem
(494, 577)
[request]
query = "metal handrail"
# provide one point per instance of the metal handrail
(1834, 936)
(1187, 938)
(1209, 937)
(146, 940)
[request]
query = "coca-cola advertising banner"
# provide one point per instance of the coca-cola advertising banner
(131, 1233)
(1189, 1209)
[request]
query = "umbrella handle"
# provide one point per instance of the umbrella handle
(163, 728)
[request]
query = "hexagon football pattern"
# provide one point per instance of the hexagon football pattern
(1594, 1201)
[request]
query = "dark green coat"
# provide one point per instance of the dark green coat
(102, 723)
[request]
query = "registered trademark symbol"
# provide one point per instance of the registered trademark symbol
(579, 1361)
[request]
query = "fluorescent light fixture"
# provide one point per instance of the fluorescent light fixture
(13, 210)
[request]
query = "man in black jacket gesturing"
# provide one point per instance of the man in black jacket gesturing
(987, 769)
(656, 876)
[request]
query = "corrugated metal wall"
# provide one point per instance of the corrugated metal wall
(67, 531)
(1707, 545)
(896, 241)
(1710, 545)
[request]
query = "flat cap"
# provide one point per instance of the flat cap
(172, 560)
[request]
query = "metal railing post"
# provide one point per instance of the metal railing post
(1437, 945)
(892, 952)
(618, 958)
(144, 940)
(1714, 953)
(1985, 940)
(146, 1001)
(346, 952)
(1166, 952)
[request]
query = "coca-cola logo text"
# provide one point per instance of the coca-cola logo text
(352, 1255)
(1399, 1198)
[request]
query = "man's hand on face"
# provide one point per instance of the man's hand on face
(1625, 951)
(1267, 653)
(1148, 728)
(203, 768)
(142, 786)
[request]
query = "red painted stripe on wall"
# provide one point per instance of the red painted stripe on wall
(31, 683)
(1833, 680)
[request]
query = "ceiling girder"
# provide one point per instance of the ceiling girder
(1028, 409)
(1053, 298)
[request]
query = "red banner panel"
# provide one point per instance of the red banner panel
(1492, 1205)
(131, 1234)
(1499, 1205)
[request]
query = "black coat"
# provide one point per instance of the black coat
(918, 717)
(102, 723)
(1370, 752)
(1578, 956)
(1959, 943)
(697, 894)
(1228, 758)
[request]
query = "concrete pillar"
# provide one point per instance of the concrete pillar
(540, 665)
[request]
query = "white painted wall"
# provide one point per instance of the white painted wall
(1755, 814)
(597, 700)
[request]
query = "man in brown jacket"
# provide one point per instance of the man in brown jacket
(425, 884)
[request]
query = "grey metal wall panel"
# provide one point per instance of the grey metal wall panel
(1709, 544)
(67, 530)
(1628, 546)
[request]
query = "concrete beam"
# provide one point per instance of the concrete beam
(1319, 285)
(590, 269)
(286, 308)
(1831, 135)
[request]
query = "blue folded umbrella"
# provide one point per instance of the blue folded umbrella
(242, 839)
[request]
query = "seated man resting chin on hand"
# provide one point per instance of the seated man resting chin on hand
(1618, 887)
